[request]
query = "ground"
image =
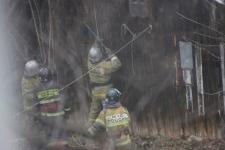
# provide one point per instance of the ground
(163, 143)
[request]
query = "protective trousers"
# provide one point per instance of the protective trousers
(52, 125)
(34, 132)
(98, 96)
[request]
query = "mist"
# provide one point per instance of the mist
(59, 34)
(7, 78)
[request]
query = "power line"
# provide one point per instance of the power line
(36, 29)
(49, 53)
(27, 109)
(96, 22)
(208, 36)
(200, 45)
(205, 45)
(40, 28)
(201, 24)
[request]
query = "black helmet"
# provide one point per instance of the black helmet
(45, 74)
(113, 96)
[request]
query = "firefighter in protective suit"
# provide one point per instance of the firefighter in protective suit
(115, 120)
(32, 130)
(53, 107)
(101, 64)
(30, 83)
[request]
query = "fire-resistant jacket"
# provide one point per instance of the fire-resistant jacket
(52, 102)
(116, 121)
(100, 73)
(29, 85)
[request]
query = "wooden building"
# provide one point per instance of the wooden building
(151, 77)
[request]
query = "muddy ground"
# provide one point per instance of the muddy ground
(163, 143)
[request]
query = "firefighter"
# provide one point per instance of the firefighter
(101, 64)
(115, 120)
(30, 83)
(32, 130)
(53, 107)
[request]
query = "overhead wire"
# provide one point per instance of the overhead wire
(208, 36)
(201, 24)
(200, 45)
(205, 45)
(96, 22)
(51, 61)
(41, 33)
(213, 55)
(50, 33)
(43, 51)
(26, 109)
(36, 29)
(95, 35)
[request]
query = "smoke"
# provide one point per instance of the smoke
(6, 83)
(220, 1)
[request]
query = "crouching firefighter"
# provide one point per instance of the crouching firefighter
(101, 63)
(53, 106)
(115, 120)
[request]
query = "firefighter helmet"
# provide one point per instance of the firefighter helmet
(95, 53)
(45, 74)
(113, 96)
(31, 68)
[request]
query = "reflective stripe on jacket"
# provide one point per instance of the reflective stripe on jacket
(53, 114)
(48, 93)
(51, 100)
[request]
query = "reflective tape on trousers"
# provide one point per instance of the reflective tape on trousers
(50, 101)
(53, 114)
